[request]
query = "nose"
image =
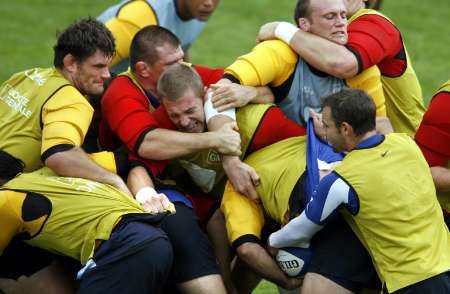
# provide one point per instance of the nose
(341, 20)
(208, 3)
(105, 73)
(184, 121)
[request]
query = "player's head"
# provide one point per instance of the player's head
(347, 115)
(152, 49)
(181, 91)
(83, 52)
(325, 18)
(9, 167)
(199, 9)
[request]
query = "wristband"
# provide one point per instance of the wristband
(285, 31)
(145, 194)
(210, 111)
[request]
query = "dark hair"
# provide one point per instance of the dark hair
(9, 166)
(82, 39)
(354, 107)
(177, 79)
(301, 10)
(147, 40)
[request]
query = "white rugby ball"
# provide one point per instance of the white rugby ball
(294, 261)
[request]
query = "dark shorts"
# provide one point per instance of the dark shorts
(136, 259)
(20, 259)
(193, 253)
(439, 284)
(340, 256)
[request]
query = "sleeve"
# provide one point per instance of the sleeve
(126, 111)
(131, 17)
(264, 134)
(433, 134)
(372, 38)
(269, 63)
(153, 167)
(370, 82)
(209, 75)
(331, 194)
(66, 118)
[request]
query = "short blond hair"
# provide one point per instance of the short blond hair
(177, 79)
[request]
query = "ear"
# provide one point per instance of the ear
(70, 63)
(346, 129)
(142, 69)
(304, 24)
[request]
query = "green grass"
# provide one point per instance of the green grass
(28, 30)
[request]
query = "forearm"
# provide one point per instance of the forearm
(138, 178)
(76, 163)
(162, 144)
(325, 55)
(263, 95)
(441, 178)
(297, 231)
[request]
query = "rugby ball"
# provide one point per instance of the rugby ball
(294, 261)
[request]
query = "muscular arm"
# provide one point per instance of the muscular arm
(74, 162)
(371, 39)
(66, 118)
(161, 144)
(326, 56)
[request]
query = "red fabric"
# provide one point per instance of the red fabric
(433, 135)
(377, 42)
(155, 167)
(125, 112)
(274, 127)
(209, 75)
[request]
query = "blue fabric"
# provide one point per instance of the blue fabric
(175, 196)
(153, 100)
(316, 149)
(370, 142)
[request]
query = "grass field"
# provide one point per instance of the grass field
(28, 32)
(28, 29)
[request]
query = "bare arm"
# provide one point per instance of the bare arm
(229, 95)
(322, 54)
(441, 178)
(162, 144)
(76, 163)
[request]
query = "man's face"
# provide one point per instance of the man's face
(328, 20)
(201, 9)
(186, 112)
(332, 132)
(91, 73)
(167, 55)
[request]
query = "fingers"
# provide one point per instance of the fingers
(158, 204)
(254, 177)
